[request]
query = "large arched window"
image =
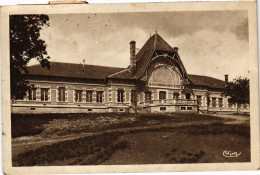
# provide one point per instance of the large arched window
(164, 75)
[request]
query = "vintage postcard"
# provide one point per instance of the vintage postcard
(113, 88)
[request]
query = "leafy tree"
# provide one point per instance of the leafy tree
(25, 44)
(238, 91)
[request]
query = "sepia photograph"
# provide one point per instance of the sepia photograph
(130, 88)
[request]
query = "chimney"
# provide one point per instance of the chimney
(83, 62)
(176, 49)
(132, 57)
(226, 79)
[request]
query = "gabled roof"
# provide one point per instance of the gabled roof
(102, 72)
(74, 70)
(200, 80)
(155, 42)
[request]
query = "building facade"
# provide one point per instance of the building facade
(155, 81)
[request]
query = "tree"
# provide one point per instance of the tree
(25, 44)
(238, 91)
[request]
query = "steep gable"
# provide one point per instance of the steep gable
(155, 42)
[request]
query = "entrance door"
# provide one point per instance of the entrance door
(162, 95)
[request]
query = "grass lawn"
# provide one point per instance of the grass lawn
(203, 143)
(53, 125)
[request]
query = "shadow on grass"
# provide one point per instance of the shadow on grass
(216, 128)
(32, 124)
(83, 151)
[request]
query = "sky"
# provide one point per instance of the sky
(211, 43)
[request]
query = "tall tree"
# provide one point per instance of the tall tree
(25, 44)
(238, 91)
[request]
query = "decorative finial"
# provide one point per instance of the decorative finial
(155, 30)
(150, 34)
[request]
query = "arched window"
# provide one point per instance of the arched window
(164, 76)
(162, 95)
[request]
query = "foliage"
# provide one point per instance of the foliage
(25, 44)
(238, 91)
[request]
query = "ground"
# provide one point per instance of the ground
(90, 139)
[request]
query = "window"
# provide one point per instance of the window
(162, 108)
(148, 96)
(89, 96)
(78, 95)
(245, 106)
(208, 101)
(188, 96)
(189, 108)
(32, 94)
(120, 96)
(214, 102)
(99, 96)
(176, 95)
(220, 102)
(44, 94)
(62, 93)
(183, 108)
(199, 100)
(162, 95)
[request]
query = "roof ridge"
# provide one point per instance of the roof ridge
(80, 64)
(155, 41)
(205, 76)
(117, 72)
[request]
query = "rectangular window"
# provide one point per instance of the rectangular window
(188, 96)
(78, 95)
(120, 96)
(208, 101)
(162, 108)
(245, 106)
(199, 100)
(89, 96)
(44, 94)
(183, 108)
(214, 102)
(62, 93)
(162, 95)
(176, 95)
(148, 96)
(32, 94)
(99, 96)
(189, 108)
(220, 102)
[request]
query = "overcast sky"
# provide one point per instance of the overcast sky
(210, 43)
